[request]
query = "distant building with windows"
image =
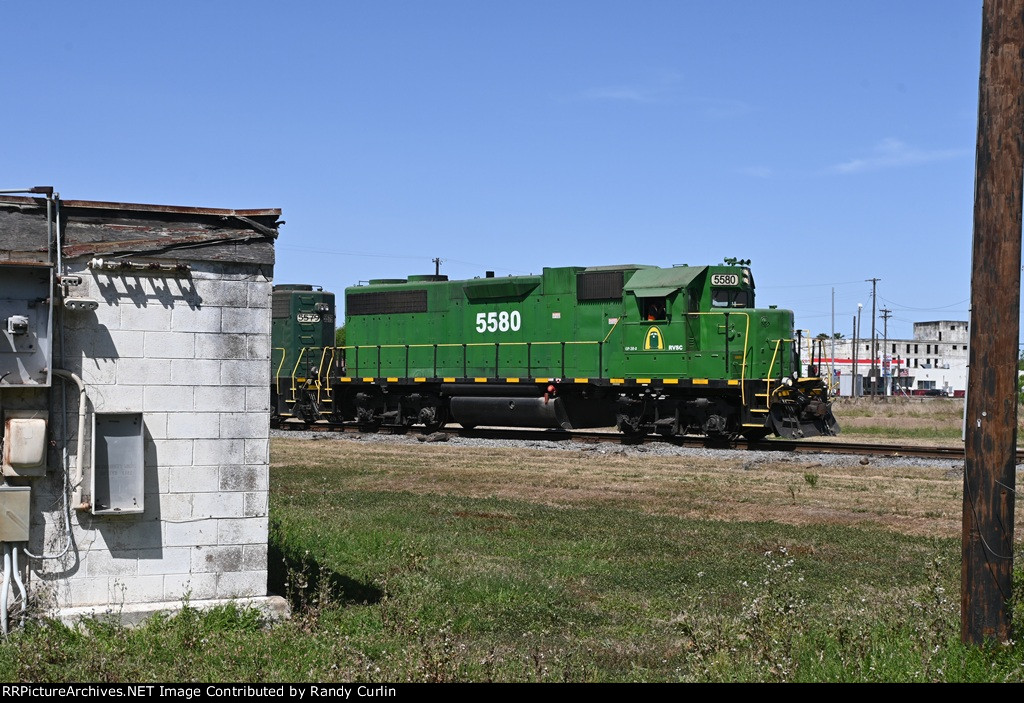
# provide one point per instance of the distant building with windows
(934, 362)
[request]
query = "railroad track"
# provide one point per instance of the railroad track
(804, 446)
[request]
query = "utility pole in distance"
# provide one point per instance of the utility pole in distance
(991, 415)
(886, 314)
(874, 345)
(854, 392)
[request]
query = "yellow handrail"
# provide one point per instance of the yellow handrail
(320, 386)
(768, 378)
(277, 376)
(378, 347)
(295, 369)
(613, 329)
(743, 362)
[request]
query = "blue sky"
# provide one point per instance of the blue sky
(828, 142)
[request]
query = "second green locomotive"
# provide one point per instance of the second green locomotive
(678, 350)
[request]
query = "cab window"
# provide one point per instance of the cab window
(654, 308)
(729, 298)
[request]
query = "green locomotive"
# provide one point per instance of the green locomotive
(302, 322)
(678, 350)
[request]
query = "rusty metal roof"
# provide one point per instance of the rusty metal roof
(143, 207)
(91, 228)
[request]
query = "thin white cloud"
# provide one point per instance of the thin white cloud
(715, 108)
(627, 93)
(893, 153)
(665, 89)
(657, 88)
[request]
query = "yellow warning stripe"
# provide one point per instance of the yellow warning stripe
(392, 379)
(581, 380)
(480, 380)
(700, 381)
(511, 380)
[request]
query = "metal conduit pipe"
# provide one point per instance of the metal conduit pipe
(76, 484)
(63, 415)
(60, 257)
(67, 520)
(6, 585)
(18, 582)
(64, 459)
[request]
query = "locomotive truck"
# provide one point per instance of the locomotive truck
(680, 350)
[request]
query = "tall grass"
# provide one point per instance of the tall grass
(392, 585)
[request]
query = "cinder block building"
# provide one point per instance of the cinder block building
(134, 391)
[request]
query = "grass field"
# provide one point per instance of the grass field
(932, 420)
(441, 562)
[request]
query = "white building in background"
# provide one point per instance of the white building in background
(934, 362)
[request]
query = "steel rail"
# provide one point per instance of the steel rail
(801, 446)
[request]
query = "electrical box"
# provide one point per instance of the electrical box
(26, 324)
(24, 447)
(118, 463)
(14, 513)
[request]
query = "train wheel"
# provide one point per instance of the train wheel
(755, 435)
(467, 425)
(433, 417)
(434, 426)
(631, 429)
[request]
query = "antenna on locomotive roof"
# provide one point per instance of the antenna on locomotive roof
(437, 265)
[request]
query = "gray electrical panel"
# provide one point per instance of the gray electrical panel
(118, 462)
(14, 513)
(26, 324)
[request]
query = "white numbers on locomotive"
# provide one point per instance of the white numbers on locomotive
(308, 317)
(503, 321)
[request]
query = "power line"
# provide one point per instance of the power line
(907, 307)
(812, 285)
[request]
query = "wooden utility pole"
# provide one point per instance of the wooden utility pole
(991, 415)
